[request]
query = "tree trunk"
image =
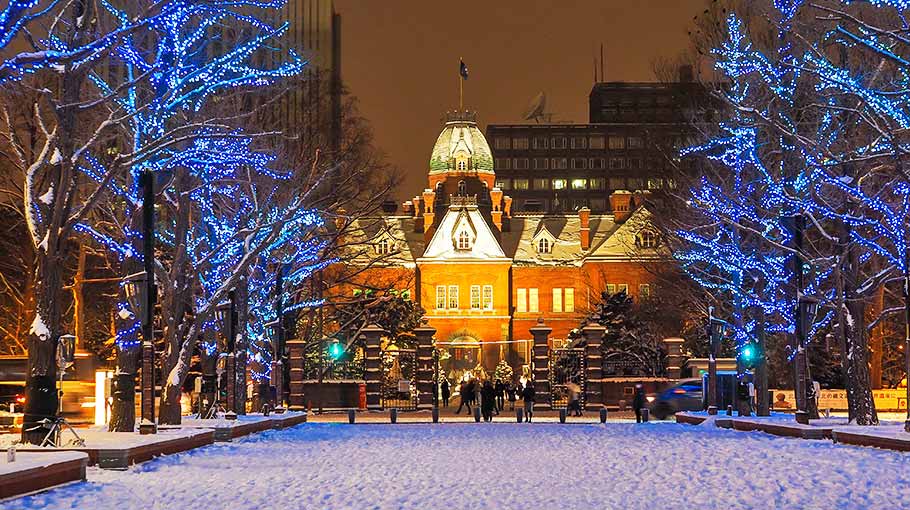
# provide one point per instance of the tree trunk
(858, 380)
(123, 405)
(209, 365)
(41, 398)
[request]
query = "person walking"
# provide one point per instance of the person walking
(446, 392)
(512, 392)
(638, 401)
(527, 394)
(465, 394)
(574, 405)
(487, 400)
(500, 395)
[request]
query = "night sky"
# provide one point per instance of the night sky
(400, 58)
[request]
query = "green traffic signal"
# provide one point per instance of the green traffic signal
(336, 350)
(749, 355)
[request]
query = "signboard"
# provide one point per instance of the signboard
(836, 400)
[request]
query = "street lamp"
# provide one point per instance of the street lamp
(226, 313)
(716, 330)
(907, 333)
(807, 308)
(140, 293)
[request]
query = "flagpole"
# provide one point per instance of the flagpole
(460, 87)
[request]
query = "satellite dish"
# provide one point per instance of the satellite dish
(536, 108)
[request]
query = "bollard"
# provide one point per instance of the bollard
(435, 415)
(622, 405)
(729, 410)
(477, 414)
(11, 454)
(603, 415)
(520, 415)
(351, 416)
(393, 415)
(645, 414)
(562, 416)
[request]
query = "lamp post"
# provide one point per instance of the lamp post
(715, 335)
(907, 334)
(277, 369)
(226, 314)
(807, 309)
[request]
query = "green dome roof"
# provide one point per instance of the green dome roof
(461, 135)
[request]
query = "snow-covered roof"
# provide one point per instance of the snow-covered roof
(461, 136)
(621, 242)
(443, 244)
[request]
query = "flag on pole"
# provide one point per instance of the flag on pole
(463, 70)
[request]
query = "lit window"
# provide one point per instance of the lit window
(559, 184)
(655, 183)
(462, 165)
(501, 142)
(635, 142)
(453, 297)
(544, 245)
(464, 240)
(503, 184)
(487, 297)
(533, 301)
(644, 291)
(623, 287)
(579, 183)
(617, 142)
(569, 301)
(541, 183)
(520, 184)
(383, 247)
(557, 300)
(647, 239)
(440, 297)
(522, 300)
(475, 297)
(597, 183)
(406, 294)
(611, 289)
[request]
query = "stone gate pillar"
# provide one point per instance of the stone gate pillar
(593, 334)
(541, 333)
(426, 368)
(296, 397)
(372, 366)
(675, 357)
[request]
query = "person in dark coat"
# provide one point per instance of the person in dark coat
(528, 395)
(487, 400)
(512, 392)
(638, 401)
(465, 395)
(500, 396)
(446, 392)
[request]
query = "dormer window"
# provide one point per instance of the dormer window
(464, 240)
(384, 247)
(544, 245)
(647, 239)
(462, 165)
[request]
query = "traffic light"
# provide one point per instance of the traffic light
(749, 355)
(336, 350)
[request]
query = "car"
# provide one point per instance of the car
(687, 395)
(12, 396)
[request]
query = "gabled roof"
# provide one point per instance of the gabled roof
(621, 243)
(564, 228)
(442, 245)
(365, 233)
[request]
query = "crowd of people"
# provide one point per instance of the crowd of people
(490, 396)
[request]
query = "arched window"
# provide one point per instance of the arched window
(383, 247)
(544, 245)
(647, 239)
(462, 165)
(462, 188)
(464, 240)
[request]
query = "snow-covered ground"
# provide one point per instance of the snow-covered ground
(500, 465)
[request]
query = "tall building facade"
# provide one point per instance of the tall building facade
(630, 143)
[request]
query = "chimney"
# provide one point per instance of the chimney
(428, 214)
(407, 207)
(508, 207)
(496, 198)
(621, 204)
(584, 217)
(416, 202)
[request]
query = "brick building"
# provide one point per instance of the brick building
(630, 143)
(485, 273)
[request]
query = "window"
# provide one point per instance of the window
(520, 143)
(635, 163)
(520, 164)
(635, 184)
(569, 300)
(647, 239)
(617, 142)
(559, 142)
(597, 164)
(521, 300)
(559, 163)
(596, 142)
(544, 245)
(541, 164)
(616, 163)
(611, 289)
(622, 287)
(559, 184)
(617, 183)
(579, 142)
(453, 297)
(383, 247)
(557, 300)
(475, 297)
(503, 163)
(644, 291)
(533, 301)
(462, 164)
(579, 183)
(464, 240)
(520, 184)
(503, 184)
(635, 142)
(502, 142)
(406, 294)
(598, 204)
(541, 183)
(487, 297)
(540, 142)
(655, 183)
(579, 163)
(597, 183)
(440, 297)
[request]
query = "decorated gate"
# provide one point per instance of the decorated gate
(568, 370)
(399, 378)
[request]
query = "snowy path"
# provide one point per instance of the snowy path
(500, 465)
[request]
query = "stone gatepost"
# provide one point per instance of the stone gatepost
(541, 333)
(426, 368)
(296, 360)
(675, 357)
(594, 335)
(372, 366)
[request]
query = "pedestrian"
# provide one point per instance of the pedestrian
(574, 405)
(527, 394)
(465, 396)
(446, 392)
(500, 395)
(638, 401)
(512, 392)
(487, 400)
